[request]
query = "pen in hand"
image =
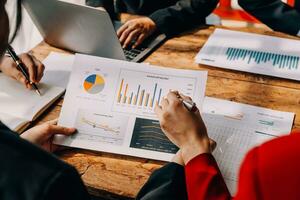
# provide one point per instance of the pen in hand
(21, 67)
(191, 106)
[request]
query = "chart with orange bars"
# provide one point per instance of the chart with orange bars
(111, 104)
(140, 91)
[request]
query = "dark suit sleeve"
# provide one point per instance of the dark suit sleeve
(66, 184)
(185, 14)
(167, 183)
(275, 14)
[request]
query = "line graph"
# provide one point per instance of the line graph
(148, 135)
(105, 128)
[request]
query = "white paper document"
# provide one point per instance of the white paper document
(237, 128)
(253, 53)
(19, 106)
(13, 123)
(58, 69)
(19, 102)
(111, 103)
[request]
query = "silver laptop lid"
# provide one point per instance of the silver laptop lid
(76, 28)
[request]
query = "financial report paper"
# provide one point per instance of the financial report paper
(58, 69)
(252, 53)
(111, 103)
(239, 127)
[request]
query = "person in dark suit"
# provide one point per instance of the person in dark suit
(169, 17)
(276, 14)
(29, 171)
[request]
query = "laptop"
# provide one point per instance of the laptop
(86, 30)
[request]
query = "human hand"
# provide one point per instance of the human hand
(184, 128)
(136, 30)
(43, 135)
(178, 158)
(34, 67)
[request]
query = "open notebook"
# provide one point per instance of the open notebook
(20, 106)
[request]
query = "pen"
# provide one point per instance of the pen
(191, 106)
(20, 66)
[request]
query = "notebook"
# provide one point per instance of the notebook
(20, 106)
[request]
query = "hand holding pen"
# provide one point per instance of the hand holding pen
(182, 123)
(188, 103)
(31, 70)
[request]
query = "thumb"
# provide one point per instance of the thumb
(54, 129)
(60, 129)
(52, 122)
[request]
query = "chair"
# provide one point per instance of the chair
(229, 9)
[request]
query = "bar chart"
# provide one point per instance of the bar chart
(278, 60)
(253, 53)
(141, 97)
(132, 96)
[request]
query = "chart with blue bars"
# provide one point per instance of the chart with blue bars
(280, 61)
(139, 92)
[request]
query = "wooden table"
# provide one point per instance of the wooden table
(121, 177)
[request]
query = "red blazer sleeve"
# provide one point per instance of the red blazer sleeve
(271, 171)
(204, 179)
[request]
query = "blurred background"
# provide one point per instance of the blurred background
(228, 13)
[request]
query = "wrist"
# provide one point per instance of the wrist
(194, 148)
(152, 23)
(177, 158)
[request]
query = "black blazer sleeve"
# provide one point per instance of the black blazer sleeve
(185, 14)
(275, 14)
(66, 185)
(167, 183)
(30, 173)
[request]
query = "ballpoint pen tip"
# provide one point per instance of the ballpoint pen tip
(38, 92)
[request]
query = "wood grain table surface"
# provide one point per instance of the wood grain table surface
(120, 177)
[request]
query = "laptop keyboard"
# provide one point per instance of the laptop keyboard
(130, 54)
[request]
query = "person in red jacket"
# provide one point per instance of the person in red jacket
(269, 172)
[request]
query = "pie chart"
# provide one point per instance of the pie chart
(94, 84)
